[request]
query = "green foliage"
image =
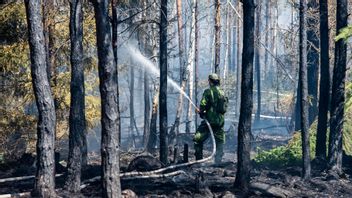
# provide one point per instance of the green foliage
(291, 154)
(17, 107)
(344, 33)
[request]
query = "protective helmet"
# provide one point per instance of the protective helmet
(214, 77)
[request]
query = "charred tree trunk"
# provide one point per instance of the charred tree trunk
(304, 89)
(196, 58)
(115, 16)
(110, 148)
(146, 108)
(257, 60)
(313, 60)
(338, 92)
(44, 185)
(238, 72)
(244, 125)
(163, 82)
(131, 127)
(48, 25)
(77, 133)
(146, 88)
(153, 134)
(217, 37)
(324, 95)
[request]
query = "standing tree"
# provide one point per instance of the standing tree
(312, 58)
(163, 82)
(110, 148)
(338, 92)
(77, 133)
(324, 95)
(245, 121)
(217, 36)
(44, 185)
(304, 88)
(115, 14)
(196, 57)
(257, 60)
(174, 131)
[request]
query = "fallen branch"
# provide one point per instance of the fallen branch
(21, 178)
(156, 173)
(24, 194)
(136, 173)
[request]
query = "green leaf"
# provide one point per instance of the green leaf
(344, 33)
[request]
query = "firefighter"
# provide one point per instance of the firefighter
(213, 106)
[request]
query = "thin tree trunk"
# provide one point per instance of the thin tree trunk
(77, 135)
(239, 59)
(190, 68)
(146, 89)
(267, 32)
(131, 103)
(174, 131)
(324, 95)
(181, 43)
(217, 37)
(44, 185)
(152, 137)
(163, 82)
(244, 125)
(115, 16)
(153, 133)
(48, 9)
(257, 60)
(196, 58)
(338, 92)
(313, 59)
(110, 148)
(304, 89)
(228, 47)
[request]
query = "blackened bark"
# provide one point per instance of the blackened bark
(338, 92)
(238, 68)
(324, 95)
(131, 129)
(313, 60)
(163, 82)
(304, 89)
(244, 125)
(217, 37)
(257, 60)
(44, 185)
(110, 147)
(153, 133)
(196, 57)
(146, 108)
(298, 106)
(48, 26)
(77, 135)
(146, 88)
(115, 17)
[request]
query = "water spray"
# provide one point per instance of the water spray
(150, 67)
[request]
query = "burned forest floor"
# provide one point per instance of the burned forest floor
(199, 180)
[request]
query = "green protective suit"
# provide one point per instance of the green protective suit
(208, 111)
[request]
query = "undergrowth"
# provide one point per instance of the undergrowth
(291, 154)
